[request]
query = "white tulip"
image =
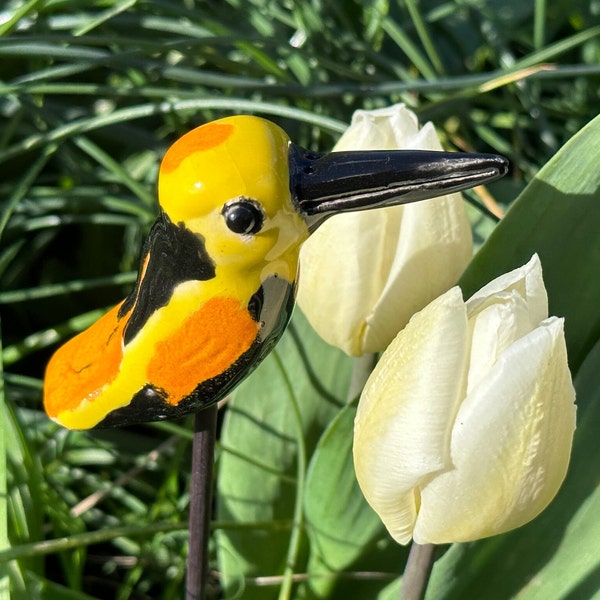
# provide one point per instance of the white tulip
(363, 274)
(464, 429)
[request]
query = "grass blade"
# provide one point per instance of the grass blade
(4, 542)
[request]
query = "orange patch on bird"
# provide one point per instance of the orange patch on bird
(202, 138)
(84, 365)
(208, 342)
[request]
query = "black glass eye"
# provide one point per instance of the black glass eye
(243, 216)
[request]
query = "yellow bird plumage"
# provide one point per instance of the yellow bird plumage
(216, 283)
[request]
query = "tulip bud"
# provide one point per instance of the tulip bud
(363, 274)
(464, 428)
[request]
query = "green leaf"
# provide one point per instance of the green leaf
(345, 533)
(24, 494)
(264, 450)
(39, 587)
(4, 542)
(557, 216)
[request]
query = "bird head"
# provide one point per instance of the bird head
(228, 181)
(255, 196)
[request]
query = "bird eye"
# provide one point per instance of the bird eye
(243, 216)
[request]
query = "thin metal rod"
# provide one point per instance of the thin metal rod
(417, 572)
(203, 452)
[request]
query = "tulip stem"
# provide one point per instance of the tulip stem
(361, 369)
(203, 452)
(417, 571)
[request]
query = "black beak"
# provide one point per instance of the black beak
(323, 185)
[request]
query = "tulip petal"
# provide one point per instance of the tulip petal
(406, 411)
(385, 129)
(337, 289)
(526, 280)
(501, 322)
(510, 444)
(433, 248)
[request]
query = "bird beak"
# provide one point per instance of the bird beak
(323, 185)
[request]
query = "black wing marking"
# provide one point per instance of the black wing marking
(174, 254)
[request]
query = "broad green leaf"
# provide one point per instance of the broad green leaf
(391, 592)
(259, 483)
(345, 533)
(557, 216)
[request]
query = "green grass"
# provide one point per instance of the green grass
(91, 95)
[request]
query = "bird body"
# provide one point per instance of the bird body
(215, 289)
(201, 310)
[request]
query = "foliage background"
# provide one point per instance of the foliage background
(92, 94)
